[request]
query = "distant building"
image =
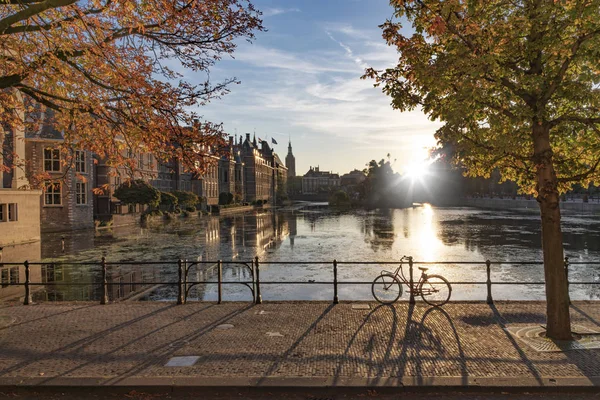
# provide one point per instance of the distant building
(258, 171)
(109, 178)
(206, 185)
(315, 181)
(227, 169)
(290, 162)
(353, 178)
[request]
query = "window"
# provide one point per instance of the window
(2, 212)
(4, 275)
(79, 161)
(52, 196)
(12, 212)
(81, 193)
(14, 275)
(52, 160)
(140, 157)
(9, 275)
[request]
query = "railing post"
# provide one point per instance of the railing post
(104, 294)
(488, 271)
(258, 295)
(185, 280)
(336, 300)
(180, 282)
(27, 300)
(412, 282)
(220, 281)
(567, 276)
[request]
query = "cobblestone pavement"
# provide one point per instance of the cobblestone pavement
(291, 339)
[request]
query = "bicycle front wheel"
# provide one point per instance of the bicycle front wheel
(386, 289)
(435, 290)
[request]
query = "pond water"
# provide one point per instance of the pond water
(318, 234)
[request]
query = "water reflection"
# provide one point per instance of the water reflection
(313, 234)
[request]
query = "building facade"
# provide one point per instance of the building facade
(315, 181)
(66, 177)
(19, 206)
(258, 172)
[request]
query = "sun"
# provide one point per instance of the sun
(416, 171)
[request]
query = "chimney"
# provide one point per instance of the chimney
(231, 141)
(247, 136)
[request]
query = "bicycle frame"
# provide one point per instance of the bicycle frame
(417, 288)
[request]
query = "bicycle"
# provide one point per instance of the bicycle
(434, 289)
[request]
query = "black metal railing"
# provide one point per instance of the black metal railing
(184, 285)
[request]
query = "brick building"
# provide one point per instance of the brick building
(67, 201)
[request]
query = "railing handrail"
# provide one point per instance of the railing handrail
(184, 284)
(325, 262)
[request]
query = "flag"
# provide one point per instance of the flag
(274, 141)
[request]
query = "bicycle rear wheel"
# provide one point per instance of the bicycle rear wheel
(435, 290)
(386, 289)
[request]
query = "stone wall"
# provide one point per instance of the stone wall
(27, 226)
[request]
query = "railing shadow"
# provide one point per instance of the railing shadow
(501, 321)
(295, 345)
(78, 345)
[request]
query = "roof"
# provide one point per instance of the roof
(41, 124)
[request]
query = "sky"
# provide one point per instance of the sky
(300, 80)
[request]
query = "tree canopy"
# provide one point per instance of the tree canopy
(111, 70)
(516, 85)
(490, 70)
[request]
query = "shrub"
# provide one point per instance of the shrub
(138, 192)
(168, 200)
(225, 198)
(186, 199)
(339, 198)
(190, 209)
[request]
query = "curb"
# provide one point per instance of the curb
(410, 383)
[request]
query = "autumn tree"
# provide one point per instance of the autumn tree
(112, 71)
(515, 84)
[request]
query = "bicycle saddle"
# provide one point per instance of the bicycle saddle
(423, 269)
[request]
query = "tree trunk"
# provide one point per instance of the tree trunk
(557, 295)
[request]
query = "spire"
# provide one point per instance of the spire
(254, 139)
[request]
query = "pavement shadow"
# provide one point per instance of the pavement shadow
(587, 361)
(419, 342)
(371, 348)
(295, 345)
(426, 338)
(161, 352)
(56, 314)
(585, 315)
(488, 320)
(72, 350)
(501, 321)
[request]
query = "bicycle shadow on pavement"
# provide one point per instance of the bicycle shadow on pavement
(412, 346)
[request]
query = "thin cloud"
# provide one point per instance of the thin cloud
(273, 58)
(270, 12)
(359, 61)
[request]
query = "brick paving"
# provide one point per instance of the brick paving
(123, 340)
